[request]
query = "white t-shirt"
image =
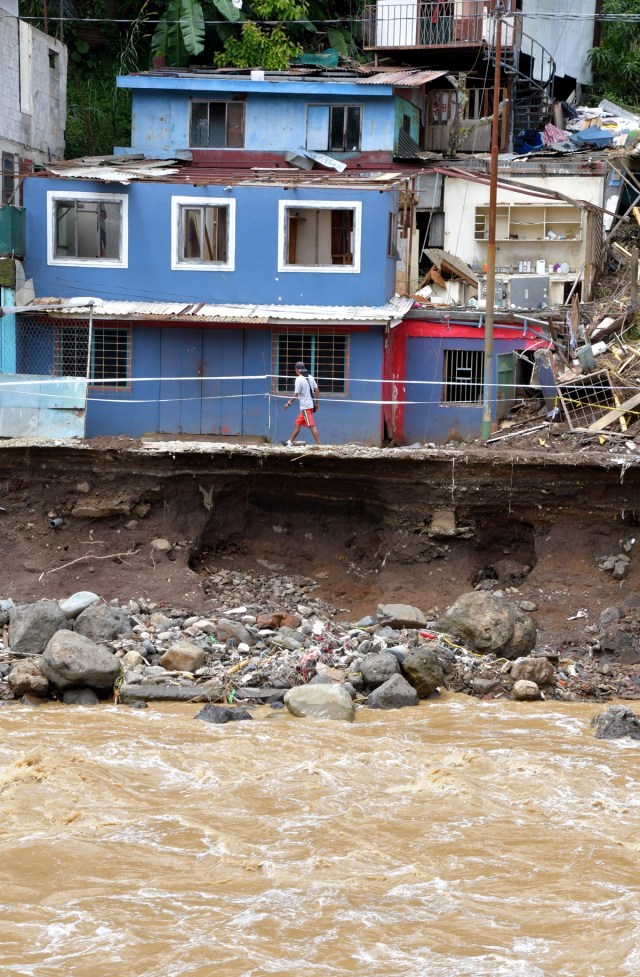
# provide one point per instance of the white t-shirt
(304, 391)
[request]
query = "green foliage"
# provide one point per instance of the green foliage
(270, 47)
(181, 29)
(98, 113)
(257, 48)
(616, 63)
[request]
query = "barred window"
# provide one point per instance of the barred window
(463, 376)
(325, 356)
(110, 354)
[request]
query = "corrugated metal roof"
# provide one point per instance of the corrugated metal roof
(113, 174)
(201, 175)
(402, 78)
(407, 147)
(257, 314)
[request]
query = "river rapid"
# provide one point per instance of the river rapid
(459, 838)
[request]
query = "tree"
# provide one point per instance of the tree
(616, 62)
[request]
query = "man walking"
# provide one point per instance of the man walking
(306, 390)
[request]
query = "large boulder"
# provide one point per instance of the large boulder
(616, 722)
(395, 693)
(377, 669)
(422, 669)
(400, 616)
(490, 625)
(222, 714)
(321, 701)
(183, 656)
(25, 678)
(226, 629)
(72, 660)
(525, 691)
(538, 670)
(32, 625)
(99, 622)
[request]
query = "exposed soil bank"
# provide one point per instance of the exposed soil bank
(417, 526)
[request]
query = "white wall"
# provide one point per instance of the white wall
(33, 102)
(461, 197)
(568, 41)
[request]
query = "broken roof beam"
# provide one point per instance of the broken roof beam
(523, 188)
(444, 261)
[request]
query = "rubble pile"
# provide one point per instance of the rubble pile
(600, 126)
(299, 656)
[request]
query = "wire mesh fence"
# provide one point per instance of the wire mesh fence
(51, 348)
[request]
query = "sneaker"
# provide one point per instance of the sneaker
(287, 444)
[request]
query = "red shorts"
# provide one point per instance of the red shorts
(305, 419)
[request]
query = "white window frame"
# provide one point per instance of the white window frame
(181, 265)
(54, 196)
(354, 205)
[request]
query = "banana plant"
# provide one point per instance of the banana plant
(180, 32)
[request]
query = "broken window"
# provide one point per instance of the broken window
(217, 125)
(204, 234)
(8, 178)
(463, 376)
(316, 237)
(88, 228)
(336, 128)
(110, 354)
(324, 353)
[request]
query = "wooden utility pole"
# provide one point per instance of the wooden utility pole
(487, 395)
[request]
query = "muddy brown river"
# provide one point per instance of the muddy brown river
(457, 839)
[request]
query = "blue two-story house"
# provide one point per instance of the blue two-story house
(252, 223)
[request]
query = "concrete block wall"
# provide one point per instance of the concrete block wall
(39, 134)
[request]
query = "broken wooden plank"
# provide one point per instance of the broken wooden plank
(436, 277)
(614, 415)
(600, 331)
(617, 402)
(454, 266)
(636, 213)
(618, 247)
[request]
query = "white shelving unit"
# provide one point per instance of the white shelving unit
(532, 223)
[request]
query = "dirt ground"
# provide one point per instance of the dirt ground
(358, 552)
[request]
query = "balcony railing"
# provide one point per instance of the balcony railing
(430, 24)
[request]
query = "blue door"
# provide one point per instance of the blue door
(223, 367)
(202, 392)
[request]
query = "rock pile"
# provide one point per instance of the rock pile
(293, 655)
